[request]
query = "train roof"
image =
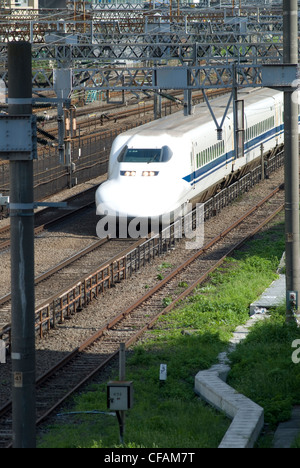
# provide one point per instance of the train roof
(177, 124)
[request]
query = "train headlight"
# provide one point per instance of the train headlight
(128, 173)
(149, 173)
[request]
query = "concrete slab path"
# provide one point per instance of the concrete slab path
(287, 432)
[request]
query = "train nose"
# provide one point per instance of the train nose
(140, 201)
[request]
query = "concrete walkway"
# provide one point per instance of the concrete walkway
(287, 431)
(247, 416)
(273, 296)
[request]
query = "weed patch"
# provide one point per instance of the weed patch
(263, 370)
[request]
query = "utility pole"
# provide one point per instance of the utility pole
(22, 250)
(291, 156)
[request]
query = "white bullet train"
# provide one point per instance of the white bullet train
(158, 168)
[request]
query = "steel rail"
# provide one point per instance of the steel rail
(117, 319)
(60, 266)
(203, 277)
(200, 252)
(70, 211)
(63, 298)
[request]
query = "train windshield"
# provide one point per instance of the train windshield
(145, 155)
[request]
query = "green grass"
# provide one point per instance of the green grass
(169, 414)
(263, 369)
(296, 443)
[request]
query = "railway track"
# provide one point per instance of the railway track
(93, 353)
(48, 217)
(61, 276)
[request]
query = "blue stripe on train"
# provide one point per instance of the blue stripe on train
(226, 158)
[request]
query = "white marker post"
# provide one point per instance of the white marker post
(163, 372)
